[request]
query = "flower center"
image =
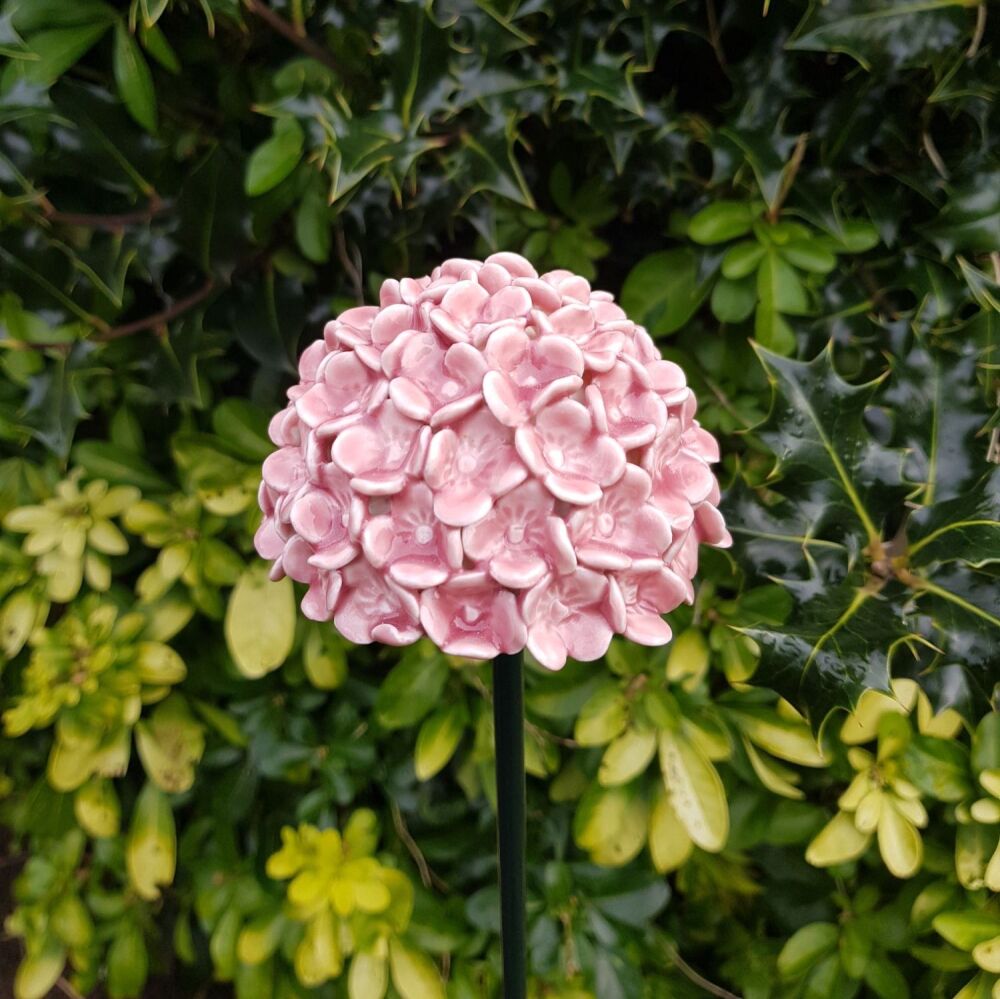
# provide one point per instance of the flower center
(423, 534)
(467, 464)
(605, 525)
(558, 611)
(449, 389)
(555, 457)
(515, 534)
(471, 614)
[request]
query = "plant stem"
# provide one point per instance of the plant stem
(508, 723)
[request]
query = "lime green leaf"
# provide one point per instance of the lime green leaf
(742, 259)
(128, 963)
(663, 290)
(438, 739)
(968, 929)
(733, 301)
(272, 161)
(779, 287)
(722, 221)
(804, 949)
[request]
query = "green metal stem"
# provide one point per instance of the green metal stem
(508, 720)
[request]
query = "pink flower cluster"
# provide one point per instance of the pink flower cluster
(493, 458)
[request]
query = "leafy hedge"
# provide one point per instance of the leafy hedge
(200, 785)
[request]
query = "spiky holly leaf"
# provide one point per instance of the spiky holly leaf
(833, 525)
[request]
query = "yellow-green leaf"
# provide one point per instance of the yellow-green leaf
(170, 743)
(96, 808)
(603, 717)
(695, 790)
(669, 844)
(151, 847)
(899, 842)
(437, 740)
(626, 757)
(38, 973)
(413, 974)
(260, 622)
(837, 842)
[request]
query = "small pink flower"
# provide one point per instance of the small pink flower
(284, 470)
(639, 599)
(567, 452)
(668, 381)
(710, 528)
(320, 599)
(380, 452)
(432, 382)
(677, 462)
(520, 539)
(368, 339)
(625, 405)
(601, 346)
(622, 530)
(471, 616)
(374, 608)
(346, 389)
(321, 516)
(527, 375)
(568, 616)
(414, 547)
(468, 466)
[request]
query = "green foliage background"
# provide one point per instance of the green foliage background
(190, 188)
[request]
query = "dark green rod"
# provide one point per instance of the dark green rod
(508, 719)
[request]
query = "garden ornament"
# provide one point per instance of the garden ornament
(498, 460)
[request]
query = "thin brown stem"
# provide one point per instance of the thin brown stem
(427, 877)
(352, 267)
(161, 318)
(298, 38)
(67, 989)
(692, 975)
(111, 222)
(788, 176)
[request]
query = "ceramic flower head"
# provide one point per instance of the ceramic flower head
(495, 459)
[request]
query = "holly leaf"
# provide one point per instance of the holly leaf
(835, 527)
(817, 432)
(883, 33)
(836, 646)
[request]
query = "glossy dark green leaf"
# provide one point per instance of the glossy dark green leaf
(970, 219)
(134, 80)
(878, 33)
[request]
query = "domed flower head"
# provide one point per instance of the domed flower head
(495, 458)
